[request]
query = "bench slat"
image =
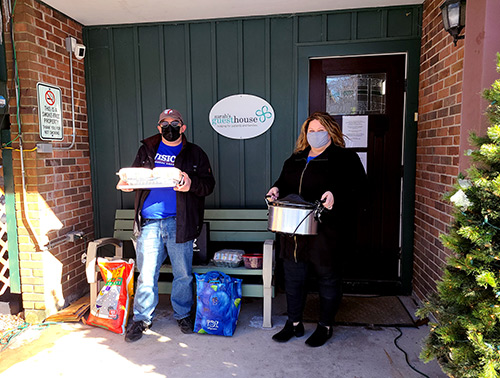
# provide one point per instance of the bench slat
(251, 236)
(226, 225)
(241, 236)
(123, 234)
(252, 290)
(124, 224)
(220, 236)
(247, 290)
(211, 214)
(238, 214)
(125, 214)
(257, 225)
(241, 270)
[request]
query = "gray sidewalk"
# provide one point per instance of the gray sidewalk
(76, 350)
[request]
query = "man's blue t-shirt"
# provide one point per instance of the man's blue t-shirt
(161, 202)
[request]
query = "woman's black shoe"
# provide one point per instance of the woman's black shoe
(289, 331)
(320, 336)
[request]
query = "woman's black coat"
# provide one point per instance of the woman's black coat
(339, 171)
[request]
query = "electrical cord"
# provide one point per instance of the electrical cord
(302, 221)
(406, 355)
(17, 149)
(7, 337)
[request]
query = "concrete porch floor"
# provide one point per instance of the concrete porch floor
(76, 350)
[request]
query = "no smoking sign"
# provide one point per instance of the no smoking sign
(50, 112)
(50, 98)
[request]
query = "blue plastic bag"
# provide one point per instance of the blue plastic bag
(218, 303)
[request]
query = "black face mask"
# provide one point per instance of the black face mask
(171, 133)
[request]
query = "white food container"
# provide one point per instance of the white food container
(145, 178)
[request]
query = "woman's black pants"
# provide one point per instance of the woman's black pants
(330, 290)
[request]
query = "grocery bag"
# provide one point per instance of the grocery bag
(113, 302)
(218, 303)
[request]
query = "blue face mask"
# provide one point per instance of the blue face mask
(318, 139)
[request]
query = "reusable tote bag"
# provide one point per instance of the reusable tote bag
(218, 303)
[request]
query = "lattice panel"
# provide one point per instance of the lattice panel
(4, 256)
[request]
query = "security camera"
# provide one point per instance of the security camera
(79, 51)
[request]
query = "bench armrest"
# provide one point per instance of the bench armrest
(267, 278)
(268, 262)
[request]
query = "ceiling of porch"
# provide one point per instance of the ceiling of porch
(110, 12)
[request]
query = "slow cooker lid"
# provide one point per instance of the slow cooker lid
(292, 200)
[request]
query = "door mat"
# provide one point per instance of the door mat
(386, 311)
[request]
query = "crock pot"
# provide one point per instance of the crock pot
(292, 215)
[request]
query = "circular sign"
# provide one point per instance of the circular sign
(241, 116)
(50, 97)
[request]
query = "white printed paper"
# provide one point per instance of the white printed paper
(355, 130)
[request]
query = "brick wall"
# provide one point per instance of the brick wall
(438, 141)
(58, 196)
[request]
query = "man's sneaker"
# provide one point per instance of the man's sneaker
(186, 325)
(134, 332)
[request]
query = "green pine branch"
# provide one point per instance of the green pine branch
(465, 337)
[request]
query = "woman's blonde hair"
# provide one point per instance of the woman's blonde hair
(328, 123)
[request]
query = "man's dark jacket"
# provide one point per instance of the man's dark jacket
(190, 205)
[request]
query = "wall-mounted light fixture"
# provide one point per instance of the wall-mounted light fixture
(453, 12)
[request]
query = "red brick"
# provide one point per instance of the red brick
(437, 145)
(449, 81)
(41, 55)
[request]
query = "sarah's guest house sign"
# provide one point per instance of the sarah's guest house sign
(241, 116)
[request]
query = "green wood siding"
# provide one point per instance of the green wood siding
(12, 253)
(369, 25)
(135, 71)
(310, 28)
(339, 26)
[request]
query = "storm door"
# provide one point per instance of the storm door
(366, 96)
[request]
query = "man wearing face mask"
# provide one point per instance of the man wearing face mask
(167, 220)
(319, 169)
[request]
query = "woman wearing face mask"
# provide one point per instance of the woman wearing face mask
(319, 168)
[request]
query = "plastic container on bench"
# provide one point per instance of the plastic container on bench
(253, 260)
(229, 258)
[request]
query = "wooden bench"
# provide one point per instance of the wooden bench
(229, 227)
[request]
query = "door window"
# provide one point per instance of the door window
(355, 94)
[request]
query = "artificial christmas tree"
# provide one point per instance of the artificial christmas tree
(466, 337)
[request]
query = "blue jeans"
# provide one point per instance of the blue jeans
(156, 240)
